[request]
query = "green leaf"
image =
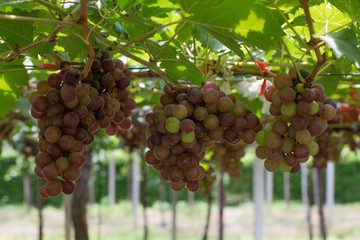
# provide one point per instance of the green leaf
(182, 68)
(157, 8)
(351, 7)
(345, 43)
(10, 83)
(73, 45)
(327, 18)
(177, 66)
(17, 33)
(239, 20)
(125, 5)
(185, 33)
(201, 35)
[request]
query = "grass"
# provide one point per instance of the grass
(105, 223)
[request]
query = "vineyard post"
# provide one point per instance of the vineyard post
(112, 181)
(258, 197)
(330, 187)
(269, 188)
(287, 196)
(305, 197)
(135, 186)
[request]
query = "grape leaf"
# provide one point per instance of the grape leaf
(10, 83)
(239, 20)
(176, 65)
(201, 35)
(344, 42)
(73, 45)
(17, 33)
(182, 68)
(157, 8)
(327, 18)
(351, 7)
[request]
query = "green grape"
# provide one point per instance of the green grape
(172, 125)
(187, 137)
(287, 145)
(288, 110)
(239, 110)
(260, 138)
(303, 136)
(313, 147)
(268, 127)
(314, 108)
(283, 166)
(179, 111)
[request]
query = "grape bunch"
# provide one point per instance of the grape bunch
(28, 147)
(301, 113)
(207, 181)
(228, 157)
(70, 110)
(186, 124)
(332, 141)
(135, 136)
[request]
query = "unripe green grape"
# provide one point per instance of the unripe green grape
(61, 164)
(313, 148)
(288, 110)
(268, 127)
(283, 166)
(187, 137)
(179, 111)
(303, 136)
(200, 113)
(276, 98)
(172, 125)
(314, 108)
(287, 145)
(239, 110)
(211, 122)
(260, 138)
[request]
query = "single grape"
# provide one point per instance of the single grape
(172, 125)
(179, 111)
(282, 80)
(211, 122)
(303, 136)
(283, 166)
(261, 138)
(288, 110)
(187, 137)
(271, 166)
(225, 104)
(268, 92)
(273, 140)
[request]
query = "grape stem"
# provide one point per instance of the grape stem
(51, 6)
(313, 41)
(49, 39)
(293, 62)
(288, 23)
(31, 19)
(206, 58)
(91, 53)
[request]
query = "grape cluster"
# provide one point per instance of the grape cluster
(207, 181)
(332, 141)
(28, 147)
(228, 157)
(135, 136)
(70, 110)
(186, 124)
(301, 113)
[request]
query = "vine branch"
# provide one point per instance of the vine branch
(49, 39)
(313, 41)
(51, 6)
(31, 19)
(86, 31)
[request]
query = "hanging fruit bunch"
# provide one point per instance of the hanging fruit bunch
(70, 110)
(228, 157)
(207, 181)
(331, 143)
(134, 137)
(186, 124)
(301, 113)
